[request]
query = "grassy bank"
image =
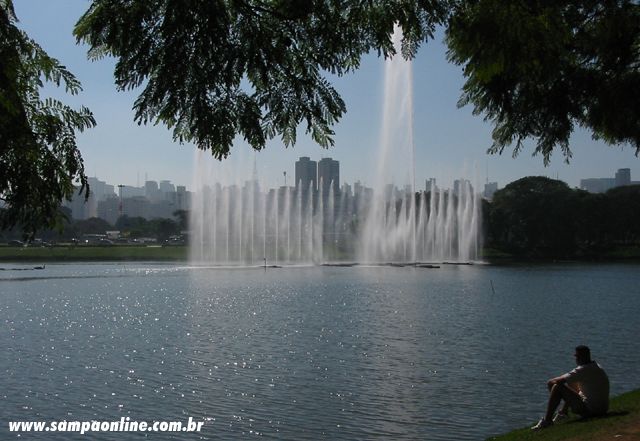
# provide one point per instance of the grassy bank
(623, 419)
(89, 253)
(619, 253)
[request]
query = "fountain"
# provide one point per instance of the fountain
(408, 227)
(242, 223)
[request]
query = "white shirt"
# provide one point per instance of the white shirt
(592, 383)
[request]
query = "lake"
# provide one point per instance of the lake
(459, 352)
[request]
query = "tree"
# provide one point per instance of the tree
(539, 68)
(534, 216)
(93, 225)
(212, 69)
(592, 223)
(39, 158)
(163, 228)
(182, 218)
(623, 212)
(133, 226)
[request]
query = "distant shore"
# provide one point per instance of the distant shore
(180, 253)
(82, 253)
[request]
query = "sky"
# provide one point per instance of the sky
(450, 142)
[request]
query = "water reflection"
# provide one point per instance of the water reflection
(304, 353)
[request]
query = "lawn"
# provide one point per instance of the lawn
(622, 422)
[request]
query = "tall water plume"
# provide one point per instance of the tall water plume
(237, 220)
(406, 226)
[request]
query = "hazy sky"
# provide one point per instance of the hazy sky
(449, 142)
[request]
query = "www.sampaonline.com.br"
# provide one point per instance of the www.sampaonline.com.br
(123, 425)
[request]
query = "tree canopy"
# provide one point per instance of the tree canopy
(539, 68)
(257, 68)
(534, 215)
(214, 69)
(541, 217)
(211, 69)
(39, 158)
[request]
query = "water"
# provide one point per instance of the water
(308, 352)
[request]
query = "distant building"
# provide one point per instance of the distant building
(346, 190)
(98, 191)
(306, 175)
(109, 210)
(167, 191)
(601, 185)
(389, 192)
(489, 189)
(167, 187)
(152, 191)
(358, 189)
(460, 185)
(430, 185)
(127, 191)
(160, 209)
(77, 205)
(623, 177)
(329, 176)
(597, 185)
(137, 206)
(183, 201)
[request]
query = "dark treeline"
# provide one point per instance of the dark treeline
(129, 228)
(542, 217)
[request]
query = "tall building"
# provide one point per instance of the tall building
(182, 198)
(489, 189)
(462, 185)
(126, 191)
(306, 174)
(329, 176)
(98, 191)
(151, 191)
(109, 210)
(166, 187)
(77, 205)
(623, 177)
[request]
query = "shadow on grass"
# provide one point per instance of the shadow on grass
(615, 414)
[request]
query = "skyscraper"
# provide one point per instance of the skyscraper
(329, 175)
(151, 190)
(306, 171)
(623, 177)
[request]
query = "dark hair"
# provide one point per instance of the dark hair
(582, 349)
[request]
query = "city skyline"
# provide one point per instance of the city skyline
(308, 170)
(450, 142)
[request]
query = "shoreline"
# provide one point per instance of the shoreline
(180, 253)
(81, 253)
(621, 422)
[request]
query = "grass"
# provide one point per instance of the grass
(92, 253)
(627, 252)
(624, 411)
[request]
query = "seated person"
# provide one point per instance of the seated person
(585, 390)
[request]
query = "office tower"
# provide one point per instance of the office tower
(306, 174)
(623, 177)
(329, 175)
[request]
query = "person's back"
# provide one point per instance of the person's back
(592, 383)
